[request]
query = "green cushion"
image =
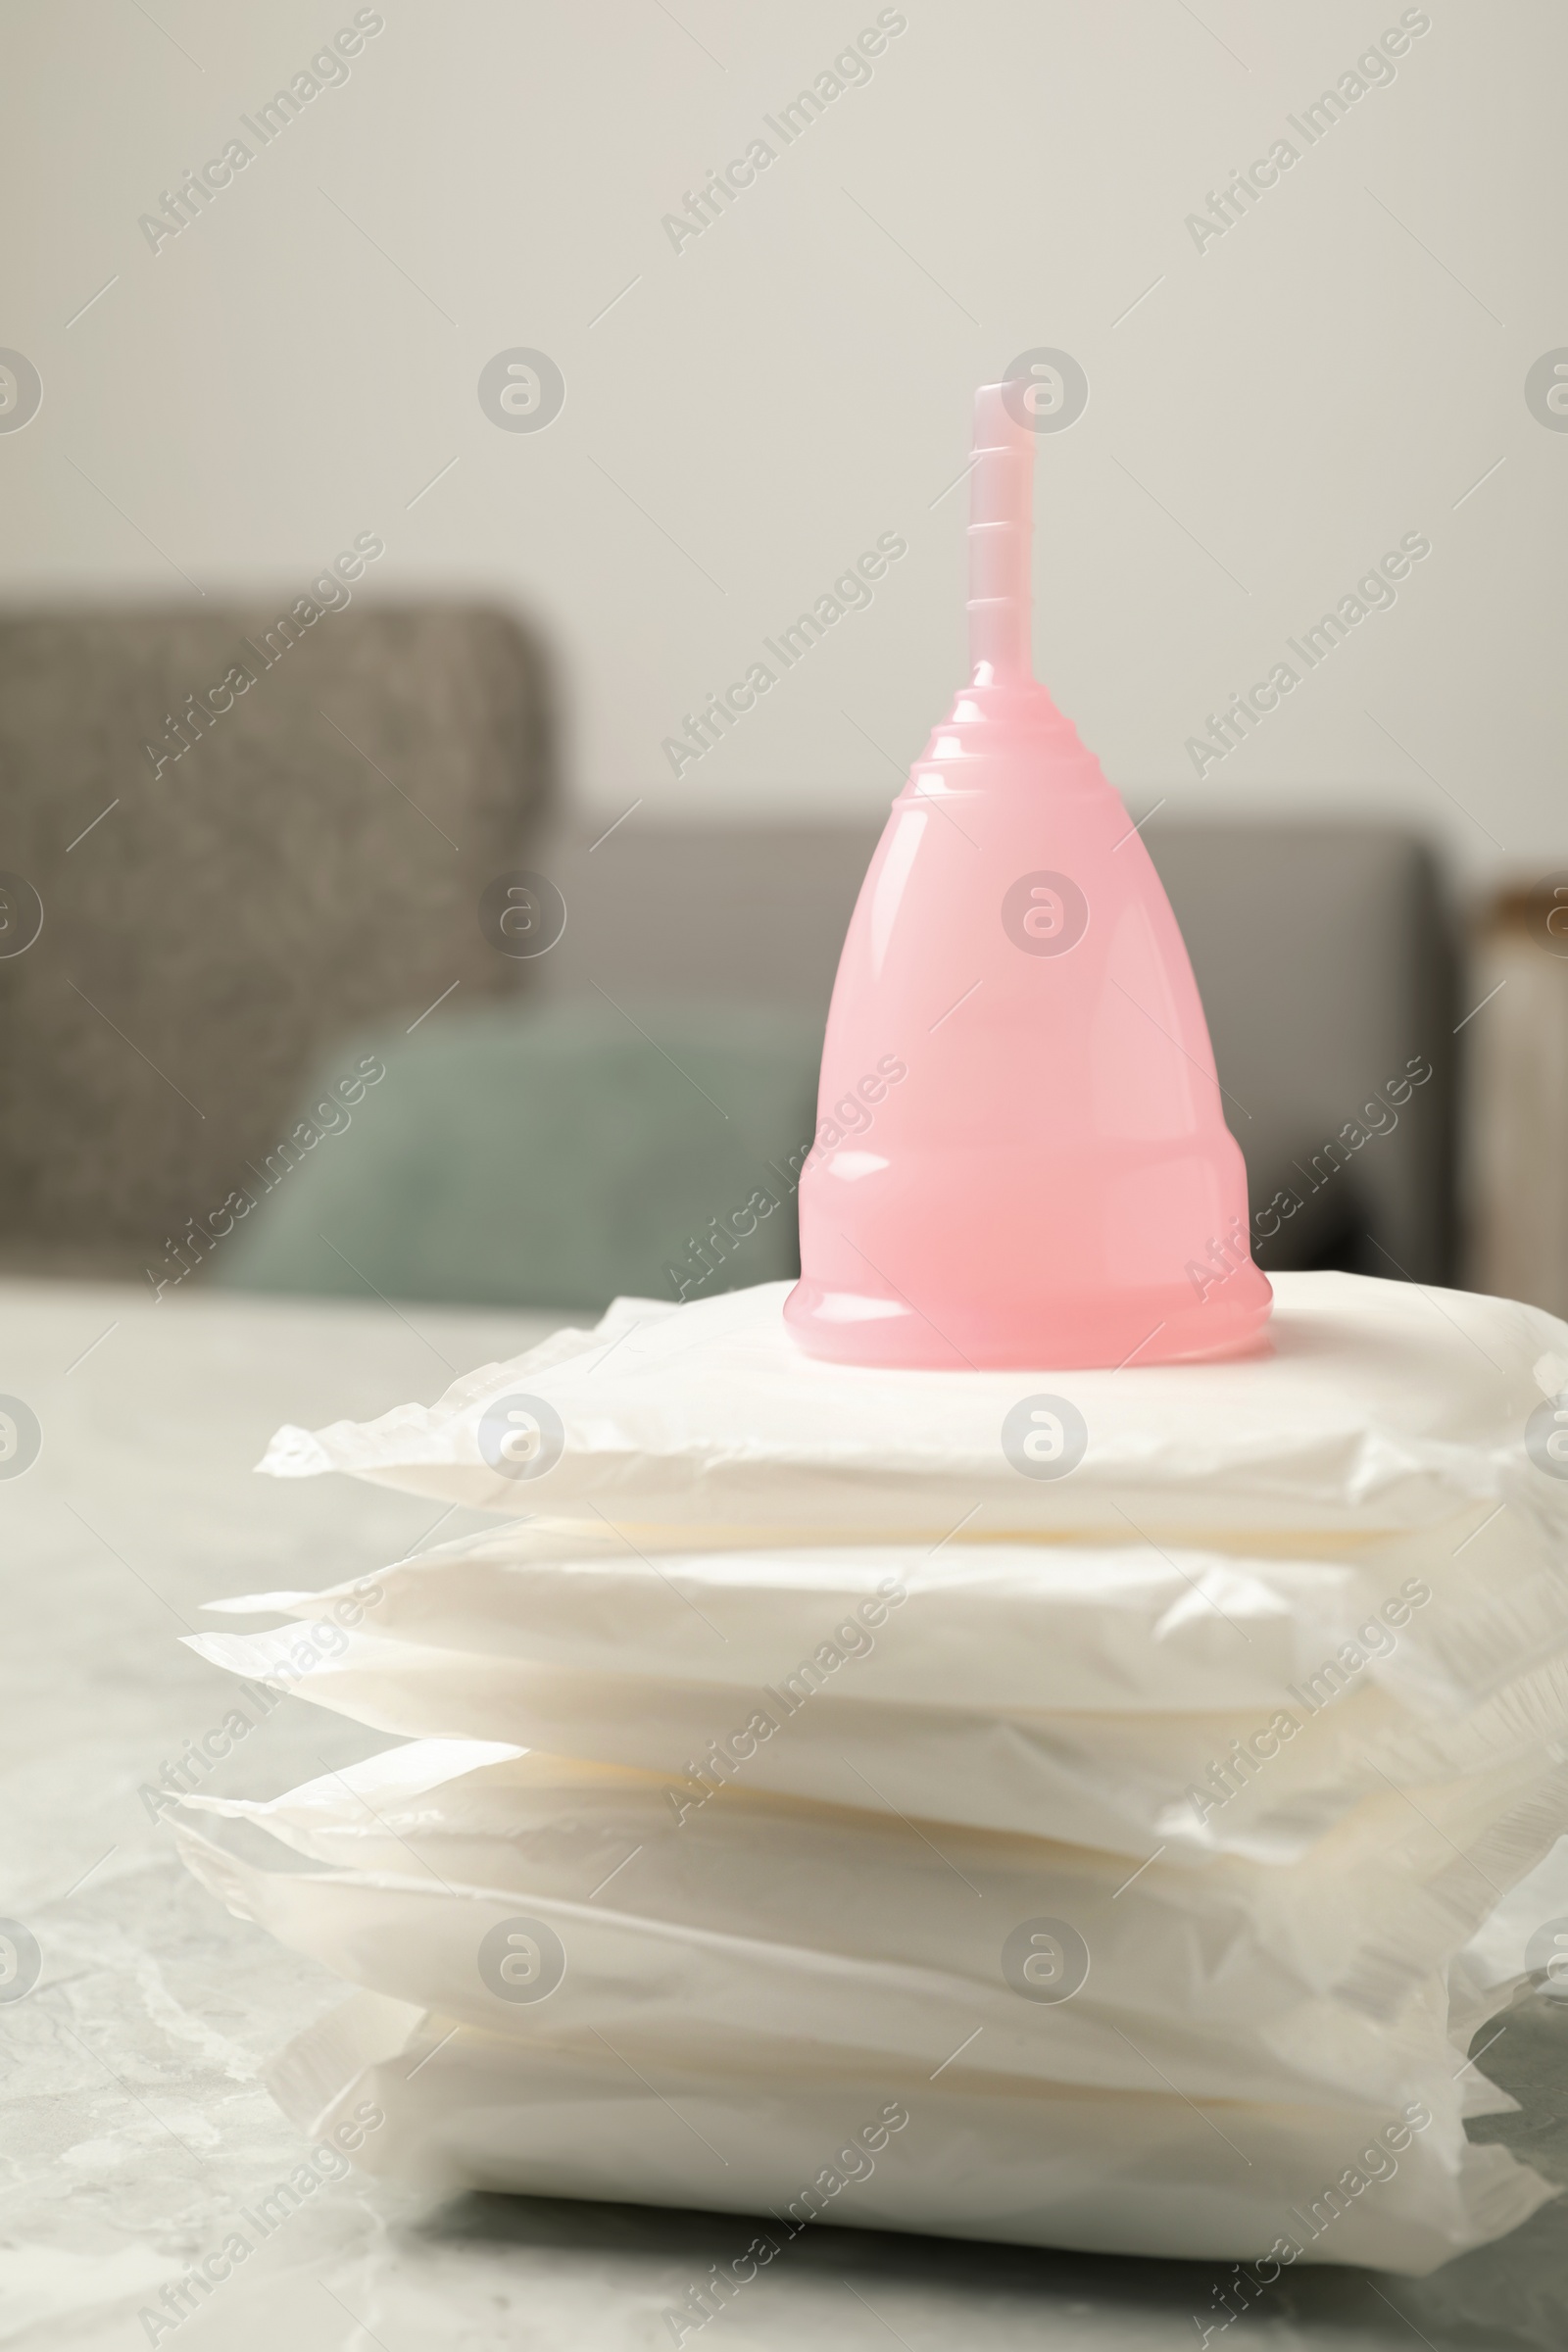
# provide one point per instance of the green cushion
(552, 1159)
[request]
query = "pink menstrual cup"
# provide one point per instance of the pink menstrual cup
(1020, 1157)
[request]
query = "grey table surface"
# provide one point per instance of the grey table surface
(136, 2124)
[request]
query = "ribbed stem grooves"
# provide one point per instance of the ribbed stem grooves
(1001, 530)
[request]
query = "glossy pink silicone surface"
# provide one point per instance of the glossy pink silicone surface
(1022, 1156)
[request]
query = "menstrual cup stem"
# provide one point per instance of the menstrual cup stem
(1001, 530)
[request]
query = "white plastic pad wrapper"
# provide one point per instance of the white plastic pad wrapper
(1149, 2086)
(1042, 2167)
(1379, 1407)
(1125, 1782)
(754, 1924)
(1436, 1620)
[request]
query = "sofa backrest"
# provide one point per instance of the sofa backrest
(247, 839)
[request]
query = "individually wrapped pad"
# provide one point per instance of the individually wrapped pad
(1365, 1917)
(1119, 1629)
(754, 1923)
(1125, 1782)
(1034, 2165)
(1381, 1407)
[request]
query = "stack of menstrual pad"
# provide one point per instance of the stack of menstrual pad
(1064, 1808)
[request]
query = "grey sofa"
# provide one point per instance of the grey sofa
(231, 876)
(241, 884)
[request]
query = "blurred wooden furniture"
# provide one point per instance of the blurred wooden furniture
(1517, 1090)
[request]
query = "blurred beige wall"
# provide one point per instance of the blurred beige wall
(1270, 409)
